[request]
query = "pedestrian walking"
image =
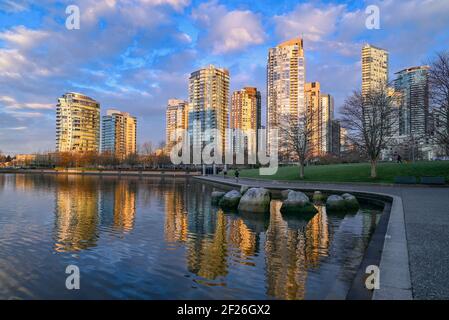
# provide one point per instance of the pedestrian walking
(236, 174)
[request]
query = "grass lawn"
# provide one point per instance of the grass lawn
(359, 172)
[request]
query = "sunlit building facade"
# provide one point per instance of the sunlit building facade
(374, 68)
(245, 116)
(314, 113)
(328, 125)
(208, 105)
(285, 87)
(77, 123)
(119, 134)
(176, 118)
(320, 113)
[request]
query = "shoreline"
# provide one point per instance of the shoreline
(118, 173)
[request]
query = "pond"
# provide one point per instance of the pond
(160, 238)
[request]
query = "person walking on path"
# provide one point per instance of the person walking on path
(225, 172)
(399, 158)
(236, 174)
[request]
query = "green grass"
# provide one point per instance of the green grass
(359, 172)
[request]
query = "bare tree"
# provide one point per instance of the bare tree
(146, 148)
(370, 120)
(295, 141)
(439, 97)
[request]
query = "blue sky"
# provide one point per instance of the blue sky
(134, 55)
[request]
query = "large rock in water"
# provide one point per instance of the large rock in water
(297, 202)
(335, 203)
(284, 193)
(230, 200)
(350, 201)
(216, 197)
(318, 196)
(255, 200)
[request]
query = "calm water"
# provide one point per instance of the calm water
(161, 239)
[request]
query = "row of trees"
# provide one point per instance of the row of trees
(107, 160)
(148, 157)
(4, 158)
(371, 120)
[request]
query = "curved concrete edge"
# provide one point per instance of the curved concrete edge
(394, 267)
(395, 280)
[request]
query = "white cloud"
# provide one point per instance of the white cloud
(23, 37)
(13, 5)
(314, 23)
(10, 103)
(228, 31)
(175, 4)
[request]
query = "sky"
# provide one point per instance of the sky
(133, 55)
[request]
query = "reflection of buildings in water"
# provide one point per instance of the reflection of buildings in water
(317, 235)
(176, 223)
(36, 182)
(291, 248)
(244, 233)
(206, 242)
(2, 181)
(118, 203)
(76, 210)
(241, 237)
(207, 254)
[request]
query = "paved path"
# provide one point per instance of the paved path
(426, 219)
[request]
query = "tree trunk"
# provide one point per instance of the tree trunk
(374, 169)
(301, 170)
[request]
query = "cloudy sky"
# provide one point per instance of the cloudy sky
(135, 54)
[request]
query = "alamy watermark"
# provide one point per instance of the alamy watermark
(211, 147)
(372, 21)
(73, 21)
(373, 279)
(72, 282)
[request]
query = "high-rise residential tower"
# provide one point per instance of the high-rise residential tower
(327, 123)
(285, 86)
(77, 123)
(208, 104)
(320, 113)
(119, 134)
(314, 113)
(176, 118)
(246, 109)
(374, 68)
(413, 87)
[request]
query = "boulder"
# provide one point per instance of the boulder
(335, 203)
(284, 194)
(230, 200)
(297, 202)
(243, 189)
(216, 197)
(318, 196)
(255, 200)
(350, 201)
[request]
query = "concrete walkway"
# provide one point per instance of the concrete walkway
(416, 248)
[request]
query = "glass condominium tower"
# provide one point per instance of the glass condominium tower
(208, 104)
(77, 123)
(413, 86)
(285, 86)
(119, 134)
